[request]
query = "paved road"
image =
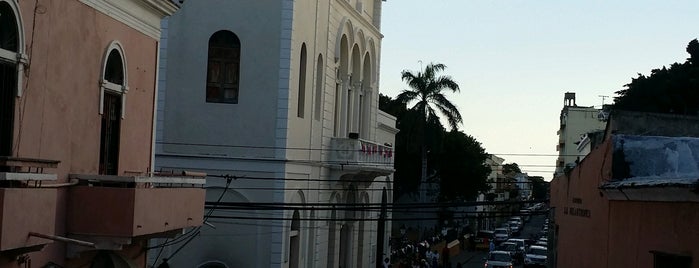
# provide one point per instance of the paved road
(475, 260)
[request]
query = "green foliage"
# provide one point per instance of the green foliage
(462, 168)
(668, 90)
(426, 90)
(511, 168)
(539, 188)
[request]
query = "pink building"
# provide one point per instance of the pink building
(77, 97)
(634, 200)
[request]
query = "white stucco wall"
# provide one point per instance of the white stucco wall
(262, 135)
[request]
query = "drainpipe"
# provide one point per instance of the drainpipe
(63, 239)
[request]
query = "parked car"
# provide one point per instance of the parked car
(535, 257)
(541, 243)
(521, 247)
(499, 259)
(501, 235)
(521, 243)
(482, 239)
(515, 228)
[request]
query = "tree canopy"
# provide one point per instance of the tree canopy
(666, 90)
(457, 158)
(426, 90)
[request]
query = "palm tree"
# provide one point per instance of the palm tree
(426, 90)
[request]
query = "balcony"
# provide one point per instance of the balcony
(26, 205)
(365, 158)
(124, 207)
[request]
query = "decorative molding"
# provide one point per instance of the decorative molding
(142, 15)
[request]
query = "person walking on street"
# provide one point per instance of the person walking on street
(492, 246)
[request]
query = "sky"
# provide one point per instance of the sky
(514, 60)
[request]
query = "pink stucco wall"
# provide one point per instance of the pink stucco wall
(60, 105)
(617, 233)
(57, 115)
(36, 214)
(130, 212)
(582, 237)
(636, 228)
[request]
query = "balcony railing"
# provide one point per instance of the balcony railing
(362, 154)
(27, 206)
(131, 206)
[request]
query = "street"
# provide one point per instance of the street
(470, 260)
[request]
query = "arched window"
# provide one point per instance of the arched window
(319, 87)
(9, 75)
(112, 106)
(223, 68)
(295, 240)
(302, 83)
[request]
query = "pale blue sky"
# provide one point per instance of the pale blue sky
(514, 59)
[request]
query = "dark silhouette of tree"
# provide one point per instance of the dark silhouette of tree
(426, 91)
(667, 90)
(511, 168)
(462, 170)
(539, 188)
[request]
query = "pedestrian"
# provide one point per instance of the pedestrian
(386, 263)
(492, 246)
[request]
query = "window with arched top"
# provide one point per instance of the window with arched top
(320, 75)
(223, 68)
(295, 240)
(113, 91)
(9, 75)
(301, 106)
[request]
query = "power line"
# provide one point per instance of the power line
(328, 149)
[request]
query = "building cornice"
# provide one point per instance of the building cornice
(142, 15)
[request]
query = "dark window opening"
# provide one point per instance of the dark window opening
(662, 260)
(114, 71)
(9, 32)
(223, 68)
(302, 83)
(109, 139)
(8, 85)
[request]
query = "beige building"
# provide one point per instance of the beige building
(281, 95)
(576, 121)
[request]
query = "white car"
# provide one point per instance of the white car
(501, 234)
(499, 259)
(535, 256)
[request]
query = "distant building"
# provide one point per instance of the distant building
(575, 122)
(632, 202)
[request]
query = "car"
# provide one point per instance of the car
(541, 243)
(535, 257)
(501, 234)
(521, 243)
(514, 250)
(515, 228)
(521, 248)
(499, 259)
(482, 239)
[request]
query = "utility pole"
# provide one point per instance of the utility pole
(603, 98)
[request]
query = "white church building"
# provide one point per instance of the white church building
(277, 102)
